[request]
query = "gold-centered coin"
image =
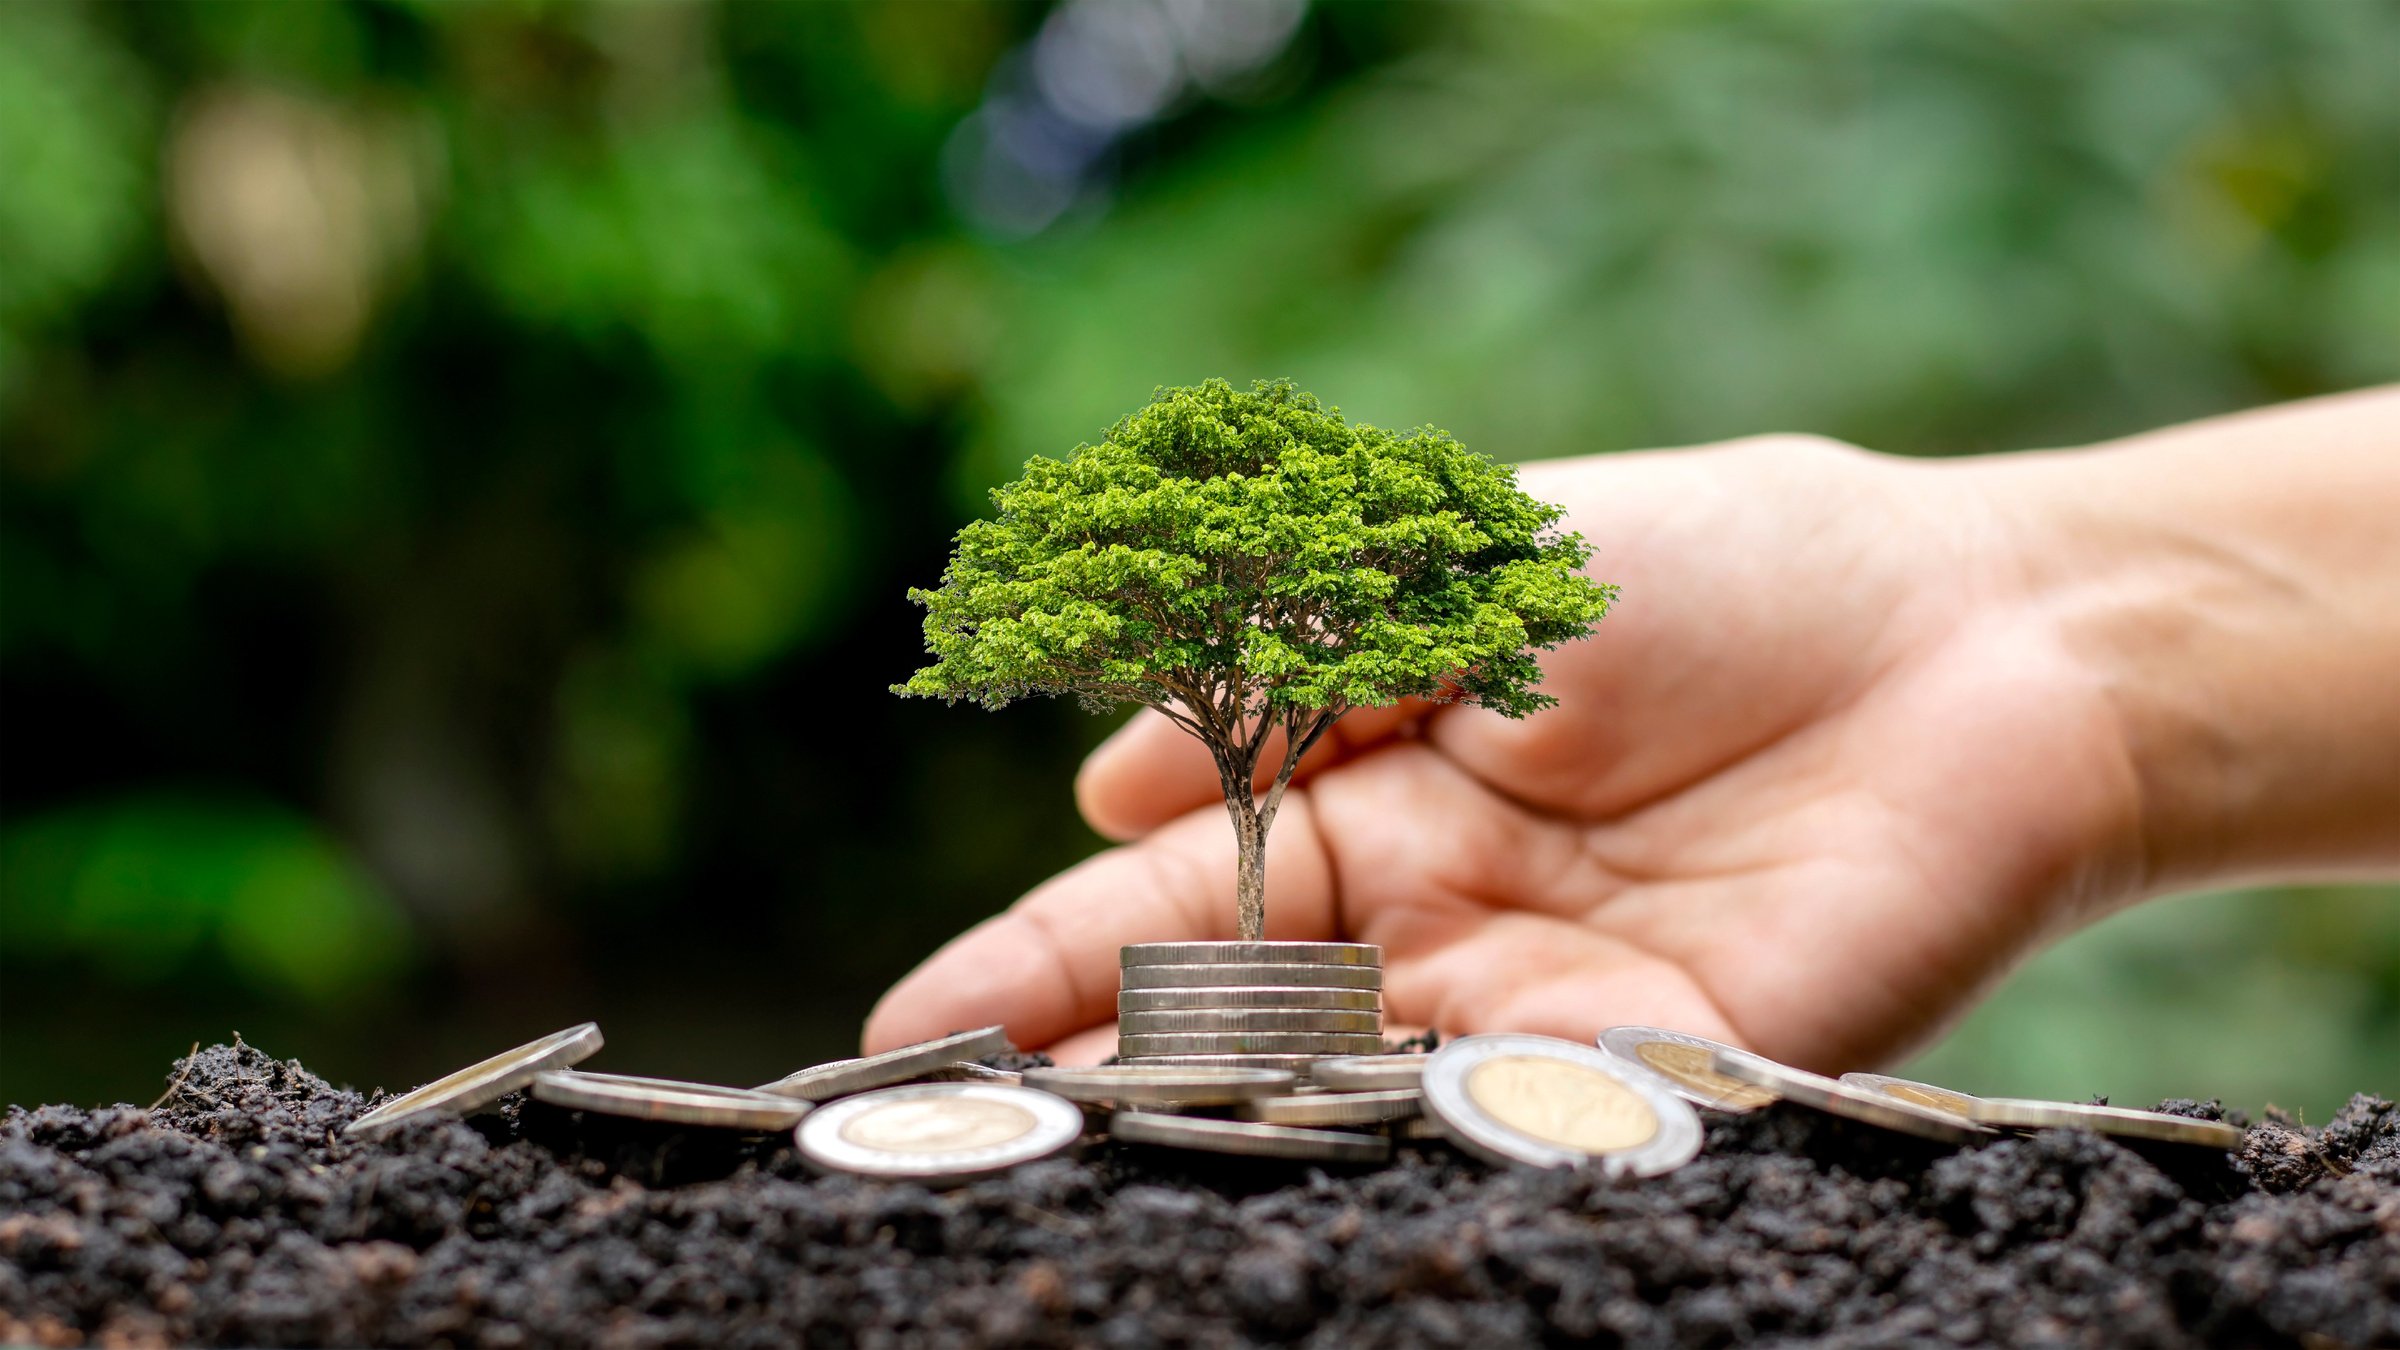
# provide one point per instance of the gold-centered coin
(1571, 1105)
(1684, 1062)
(937, 1125)
(1554, 1103)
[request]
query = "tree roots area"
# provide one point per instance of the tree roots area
(235, 1214)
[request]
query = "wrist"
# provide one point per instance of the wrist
(2229, 592)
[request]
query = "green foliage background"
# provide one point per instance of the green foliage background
(460, 463)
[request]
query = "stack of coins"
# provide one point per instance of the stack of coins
(1257, 1005)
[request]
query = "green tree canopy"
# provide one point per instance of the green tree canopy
(1253, 566)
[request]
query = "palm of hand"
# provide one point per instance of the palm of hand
(1815, 782)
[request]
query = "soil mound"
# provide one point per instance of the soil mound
(236, 1214)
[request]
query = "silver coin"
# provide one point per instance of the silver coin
(1250, 1019)
(1336, 1108)
(1684, 1062)
(1554, 1103)
(1420, 1130)
(484, 1083)
(1162, 1084)
(1916, 1094)
(968, 1071)
(1248, 996)
(1836, 1098)
(1369, 1072)
(1250, 954)
(1251, 1043)
(1312, 977)
(662, 1099)
(845, 1076)
(1294, 1065)
(2018, 1113)
(938, 1133)
(1244, 1137)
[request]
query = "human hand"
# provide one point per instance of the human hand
(1823, 775)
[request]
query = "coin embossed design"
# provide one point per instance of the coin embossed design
(482, 1084)
(938, 1133)
(1162, 1084)
(1369, 1072)
(1685, 1063)
(2122, 1121)
(665, 1099)
(1916, 1094)
(842, 1077)
(1217, 976)
(1836, 1098)
(1570, 1104)
(1245, 1137)
(1220, 998)
(1554, 1103)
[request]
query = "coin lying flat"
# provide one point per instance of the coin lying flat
(2121, 1121)
(663, 1099)
(484, 1083)
(845, 1076)
(1250, 954)
(938, 1133)
(1836, 1098)
(1914, 1093)
(1307, 977)
(1189, 1020)
(1244, 1137)
(1336, 1108)
(1554, 1103)
(1252, 1043)
(1162, 1085)
(1369, 1072)
(1296, 1065)
(1220, 998)
(1684, 1063)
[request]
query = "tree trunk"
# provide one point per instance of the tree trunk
(1250, 878)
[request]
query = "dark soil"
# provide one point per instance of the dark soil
(236, 1214)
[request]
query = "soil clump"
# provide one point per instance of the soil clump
(235, 1213)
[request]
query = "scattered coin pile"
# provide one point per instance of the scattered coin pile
(1251, 1005)
(929, 1113)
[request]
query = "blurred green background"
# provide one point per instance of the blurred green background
(460, 463)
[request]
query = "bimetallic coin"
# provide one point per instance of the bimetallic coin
(1250, 954)
(1249, 1019)
(1369, 1072)
(662, 1099)
(1244, 1137)
(1684, 1063)
(845, 1076)
(1554, 1103)
(1836, 1098)
(1295, 1065)
(1252, 1043)
(2124, 1122)
(1248, 996)
(1915, 1094)
(1336, 1108)
(1310, 977)
(484, 1083)
(938, 1133)
(1162, 1085)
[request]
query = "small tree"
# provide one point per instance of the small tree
(1247, 563)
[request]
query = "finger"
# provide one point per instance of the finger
(1152, 770)
(1046, 967)
(1088, 1046)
